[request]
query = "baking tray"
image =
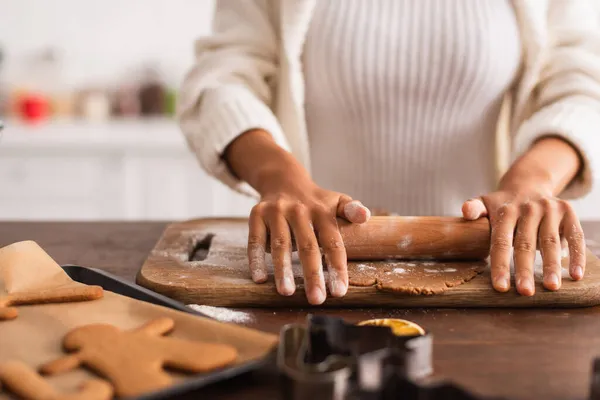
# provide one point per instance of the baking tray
(112, 283)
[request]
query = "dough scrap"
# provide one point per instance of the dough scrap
(413, 278)
(73, 293)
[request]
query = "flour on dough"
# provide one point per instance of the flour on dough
(415, 278)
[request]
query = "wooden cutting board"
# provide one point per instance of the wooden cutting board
(204, 262)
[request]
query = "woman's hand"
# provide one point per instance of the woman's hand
(525, 215)
(292, 206)
(522, 222)
(308, 214)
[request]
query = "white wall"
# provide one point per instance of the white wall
(102, 39)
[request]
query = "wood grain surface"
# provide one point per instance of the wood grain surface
(524, 353)
(222, 278)
(416, 238)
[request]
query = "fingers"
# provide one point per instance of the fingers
(540, 223)
(550, 248)
(525, 247)
(309, 253)
(312, 226)
(503, 224)
(353, 210)
(281, 251)
(573, 233)
(474, 209)
(257, 239)
(334, 252)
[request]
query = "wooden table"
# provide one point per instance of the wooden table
(519, 354)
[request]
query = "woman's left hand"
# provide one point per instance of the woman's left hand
(525, 220)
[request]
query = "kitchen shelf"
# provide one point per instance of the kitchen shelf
(119, 134)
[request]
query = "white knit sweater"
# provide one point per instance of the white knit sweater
(403, 98)
(249, 74)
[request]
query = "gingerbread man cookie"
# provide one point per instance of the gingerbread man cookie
(133, 361)
(25, 383)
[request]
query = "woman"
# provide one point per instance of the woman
(397, 103)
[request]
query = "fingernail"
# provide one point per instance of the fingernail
(526, 286)
(577, 272)
(337, 287)
(259, 275)
(367, 213)
(552, 280)
(333, 286)
(342, 288)
(317, 295)
(502, 283)
(256, 260)
(353, 210)
(469, 212)
(475, 208)
(287, 286)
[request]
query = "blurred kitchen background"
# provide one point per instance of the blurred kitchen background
(87, 93)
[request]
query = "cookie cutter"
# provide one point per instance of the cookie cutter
(330, 359)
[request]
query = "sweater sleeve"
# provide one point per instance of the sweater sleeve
(567, 96)
(229, 89)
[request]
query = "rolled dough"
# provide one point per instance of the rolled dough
(414, 278)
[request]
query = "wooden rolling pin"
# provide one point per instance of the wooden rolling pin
(417, 238)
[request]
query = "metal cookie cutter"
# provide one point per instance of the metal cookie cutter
(330, 359)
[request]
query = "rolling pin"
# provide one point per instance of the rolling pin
(416, 238)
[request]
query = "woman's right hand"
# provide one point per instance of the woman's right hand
(304, 216)
(292, 206)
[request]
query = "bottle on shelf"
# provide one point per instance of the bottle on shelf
(152, 93)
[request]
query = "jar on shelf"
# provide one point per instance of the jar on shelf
(93, 105)
(126, 102)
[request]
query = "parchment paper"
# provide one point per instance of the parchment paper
(35, 336)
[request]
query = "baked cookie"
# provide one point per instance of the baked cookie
(26, 383)
(134, 361)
